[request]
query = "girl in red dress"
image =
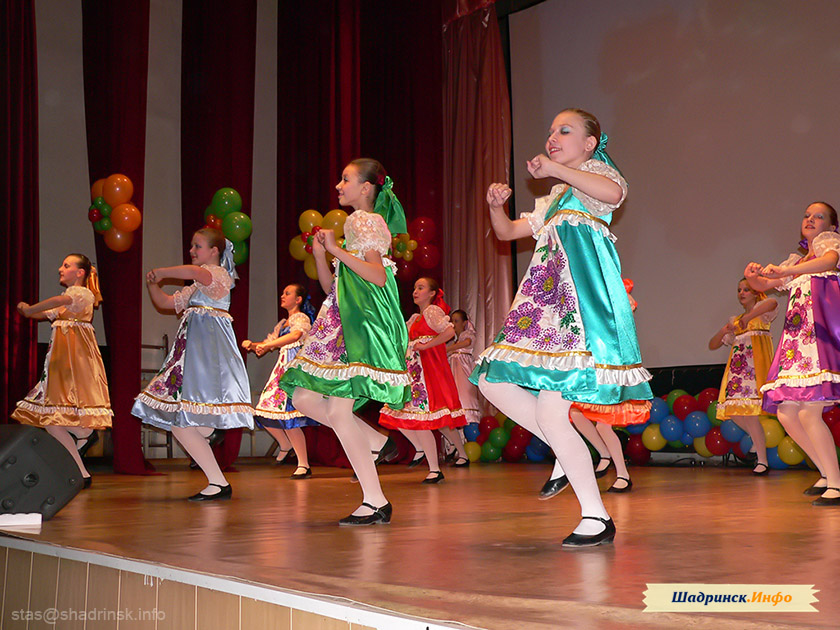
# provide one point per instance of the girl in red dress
(434, 400)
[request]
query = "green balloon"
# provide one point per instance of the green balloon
(499, 437)
(711, 412)
(508, 425)
(490, 452)
(676, 393)
(99, 202)
(676, 444)
(225, 201)
(105, 210)
(240, 252)
(402, 246)
(103, 225)
(207, 212)
(236, 226)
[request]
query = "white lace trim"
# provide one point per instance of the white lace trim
(276, 415)
(801, 381)
(402, 414)
(595, 206)
(189, 406)
(366, 231)
(64, 323)
(825, 242)
(622, 377)
(436, 318)
(209, 310)
(344, 372)
(299, 322)
(35, 407)
(576, 218)
(82, 299)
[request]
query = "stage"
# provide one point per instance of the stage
(478, 550)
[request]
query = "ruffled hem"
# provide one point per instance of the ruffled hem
(623, 376)
(277, 415)
(738, 407)
(560, 361)
(620, 415)
(35, 407)
(801, 381)
(828, 393)
(346, 371)
(215, 409)
(421, 421)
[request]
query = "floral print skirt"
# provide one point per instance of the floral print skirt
(746, 372)
(275, 406)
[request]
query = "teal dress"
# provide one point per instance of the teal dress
(356, 347)
(570, 327)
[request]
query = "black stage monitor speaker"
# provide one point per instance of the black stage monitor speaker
(37, 474)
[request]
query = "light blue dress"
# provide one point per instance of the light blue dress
(203, 382)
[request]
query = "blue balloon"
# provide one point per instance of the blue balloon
(671, 428)
(533, 454)
(539, 446)
(471, 432)
(658, 410)
(637, 429)
(773, 459)
(697, 424)
(687, 439)
(746, 444)
(731, 432)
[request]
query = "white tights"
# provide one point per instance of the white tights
(547, 417)
(428, 445)
(337, 413)
(291, 439)
(752, 425)
(804, 423)
(196, 445)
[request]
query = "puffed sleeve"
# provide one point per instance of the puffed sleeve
(300, 321)
(182, 297)
(826, 242)
(790, 261)
(436, 318)
(82, 299)
(536, 219)
(219, 285)
(468, 335)
(770, 315)
(275, 333)
(596, 206)
(368, 231)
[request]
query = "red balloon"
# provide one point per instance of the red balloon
(716, 443)
(427, 256)
(835, 432)
(94, 214)
(636, 451)
(482, 438)
(520, 435)
(831, 416)
(512, 452)
(407, 270)
(684, 405)
(487, 424)
(422, 229)
(707, 397)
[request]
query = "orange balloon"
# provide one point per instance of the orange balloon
(96, 189)
(126, 217)
(117, 190)
(118, 240)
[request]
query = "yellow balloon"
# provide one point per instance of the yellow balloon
(412, 245)
(334, 220)
(501, 418)
(407, 255)
(473, 451)
(297, 248)
(773, 431)
(700, 447)
(404, 238)
(789, 452)
(309, 219)
(652, 438)
(310, 268)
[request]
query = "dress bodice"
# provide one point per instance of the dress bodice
(214, 295)
(79, 310)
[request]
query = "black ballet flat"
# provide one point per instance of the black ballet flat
(601, 473)
(462, 462)
(827, 501)
(765, 470)
(814, 491)
(388, 452)
(593, 540)
(225, 492)
(87, 483)
(216, 438)
(83, 444)
(417, 460)
(553, 487)
(381, 515)
(438, 477)
(626, 488)
(281, 461)
(304, 475)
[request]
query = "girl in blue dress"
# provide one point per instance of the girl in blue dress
(569, 338)
(203, 384)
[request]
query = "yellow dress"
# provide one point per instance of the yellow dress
(747, 367)
(73, 389)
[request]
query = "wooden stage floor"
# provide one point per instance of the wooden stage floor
(480, 548)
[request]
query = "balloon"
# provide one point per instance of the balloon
(309, 267)
(490, 452)
(652, 438)
(831, 415)
(745, 444)
(697, 424)
(422, 230)
(835, 432)
(208, 212)
(673, 395)
(412, 245)
(99, 202)
(684, 405)
(471, 431)
(214, 222)
(636, 451)
(236, 226)
(408, 255)
(637, 429)
(671, 428)
(401, 246)
(126, 217)
(773, 431)
(715, 442)
(487, 424)
(240, 252)
(676, 444)
(94, 214)
(96, 189)
(103, 225)
(711, 413)
(707, 397)
(117, 240)
(309, 219)
(508, 425)
(521, 435)
(700, 447)
(789, 452)
(296, 249)
(512, 452)
(407, 270)
(427, 256)
(533, 454)
(334, 220)
(731, 432)
(687, 439)
(473, 451)
(225, 201)
(501, 418)
(774, 460)
(117, 190)
(658, 410)
(499, 437)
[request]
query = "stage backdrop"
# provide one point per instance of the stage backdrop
(722, 116)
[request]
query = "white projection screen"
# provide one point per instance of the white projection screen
(723, 117)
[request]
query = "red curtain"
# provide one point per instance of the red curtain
(18, 198)
(115, 37)
(217, 130)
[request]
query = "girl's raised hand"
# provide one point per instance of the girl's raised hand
(151, 277)
(23, 309)
(498, 194)
(753, 270)
(774, 271)
(248, 345)
(540, 166)
(328, 240)
(259, 349)
(318, 245)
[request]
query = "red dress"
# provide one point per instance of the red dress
(434, 397)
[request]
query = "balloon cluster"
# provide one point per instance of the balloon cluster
(311, 222)
(225, 213)
(680, 420)
(498, 436)
(414, 250)
(112, 213)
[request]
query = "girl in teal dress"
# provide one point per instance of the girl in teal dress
(569, 338)
(355, 351)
